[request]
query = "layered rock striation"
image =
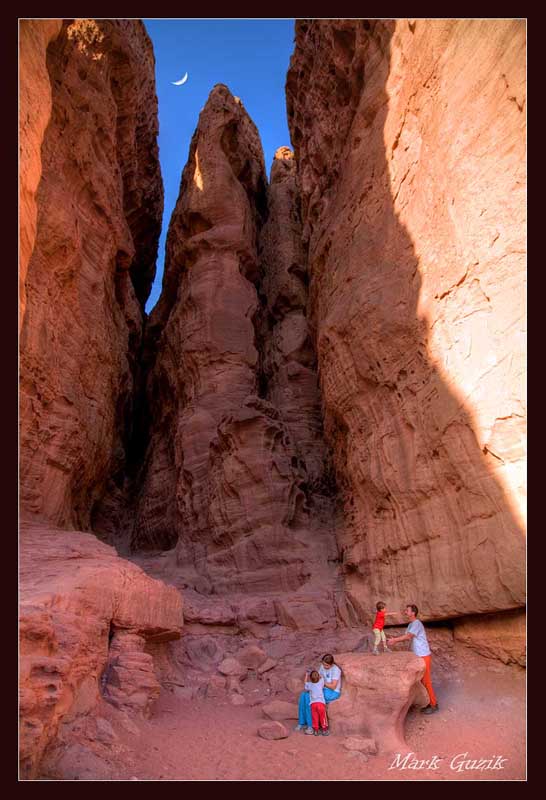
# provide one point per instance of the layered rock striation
(99, 206)
(410, 143)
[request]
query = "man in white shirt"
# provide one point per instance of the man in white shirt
(415, 633)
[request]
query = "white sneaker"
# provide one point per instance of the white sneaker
(375, 652)
(299, 727)
(309, 731)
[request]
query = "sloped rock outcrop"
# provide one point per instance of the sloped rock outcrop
(500, 636)
(410, 144)
(99, 206)
(79, 601)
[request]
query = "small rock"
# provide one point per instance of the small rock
(237, 700)
(272, 730)
(252, 656)
(230, 666)
(233, 684)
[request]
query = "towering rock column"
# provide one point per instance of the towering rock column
(221, 472)
(410, 143)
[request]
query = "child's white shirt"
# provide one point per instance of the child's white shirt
(316, 691)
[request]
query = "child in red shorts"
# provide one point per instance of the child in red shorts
(315, 686)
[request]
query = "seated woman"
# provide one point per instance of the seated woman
(331, 674)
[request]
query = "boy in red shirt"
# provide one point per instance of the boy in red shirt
(378, 632)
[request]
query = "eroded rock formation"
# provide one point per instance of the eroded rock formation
(376, 696)
(410, 143)
(99, 203)
(501, 636)
(85, 616)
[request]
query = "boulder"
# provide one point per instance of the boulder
(252, 656)
(273, 730)
(237, 700)
(376, 696)
(232, 667)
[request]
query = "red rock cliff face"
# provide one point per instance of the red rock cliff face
(410, 141)
(227, 472)
(99, 215)
(34, 116)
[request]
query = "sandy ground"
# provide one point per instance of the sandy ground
(482, 717)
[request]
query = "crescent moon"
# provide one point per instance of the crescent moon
(181, 81)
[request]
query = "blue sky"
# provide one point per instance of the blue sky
(250, 56)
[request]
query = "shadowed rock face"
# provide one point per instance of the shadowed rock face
(99, 205)
(409, 139)
(227, 471)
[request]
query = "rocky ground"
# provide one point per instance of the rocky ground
(482, 716)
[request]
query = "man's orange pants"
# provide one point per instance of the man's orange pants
(426, 681)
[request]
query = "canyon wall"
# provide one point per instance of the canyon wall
(410, 144)
(233, 455)
(34, 116)
(90, 253)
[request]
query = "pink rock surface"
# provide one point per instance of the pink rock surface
(78, 600)
(410, 145)
(99, 204)
(501, 636)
